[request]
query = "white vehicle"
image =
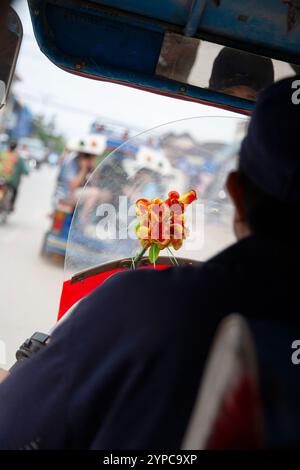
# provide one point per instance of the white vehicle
(33, 151)
(92, 143)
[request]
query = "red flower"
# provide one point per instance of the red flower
(162, 222)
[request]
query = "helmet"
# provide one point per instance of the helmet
(90, 144)
(151, 159)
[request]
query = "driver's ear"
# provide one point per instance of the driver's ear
(235, 189)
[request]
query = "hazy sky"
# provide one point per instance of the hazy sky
(76, 101)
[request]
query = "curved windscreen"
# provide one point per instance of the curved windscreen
(188, 157)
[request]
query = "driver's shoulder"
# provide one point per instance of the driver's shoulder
(149, 307)
(148, 292)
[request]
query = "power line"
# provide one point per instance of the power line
(49, 100)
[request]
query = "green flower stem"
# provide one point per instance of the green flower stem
(138, 258)
(172, 257)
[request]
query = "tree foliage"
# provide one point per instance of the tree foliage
(46, 131)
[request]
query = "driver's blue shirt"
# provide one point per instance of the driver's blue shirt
(69, 170)
(123, 372)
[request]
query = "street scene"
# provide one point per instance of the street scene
(46, 240)
(149, 239)
(51, 136)
(30, 286)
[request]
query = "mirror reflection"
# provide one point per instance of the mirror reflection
(10, 41)
(219, 68)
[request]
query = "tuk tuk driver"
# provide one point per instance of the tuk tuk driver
(74, 174)
(123, 371)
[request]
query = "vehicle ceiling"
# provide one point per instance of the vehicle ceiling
(121, 41)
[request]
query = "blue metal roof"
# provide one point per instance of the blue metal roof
(121, 41)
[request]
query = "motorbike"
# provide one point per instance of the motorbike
(6, 199)
(55, 240)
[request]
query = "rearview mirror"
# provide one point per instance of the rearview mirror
(221, 69)
(10, 43)
(209, 52)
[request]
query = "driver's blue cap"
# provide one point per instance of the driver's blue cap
(270, 152)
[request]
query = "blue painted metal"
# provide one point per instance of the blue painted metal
(259, 23)
(262, 24)
(114, 143)
(120, 41)
(104, 45)
(197, 9)
(54, 43)
(66, 227)
(24, 123)
(57, 242)
(172, 11)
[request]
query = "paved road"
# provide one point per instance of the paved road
(29, 285)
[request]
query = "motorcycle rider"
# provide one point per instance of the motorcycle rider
(12, 168)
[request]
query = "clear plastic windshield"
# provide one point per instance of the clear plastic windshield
(183, 156)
